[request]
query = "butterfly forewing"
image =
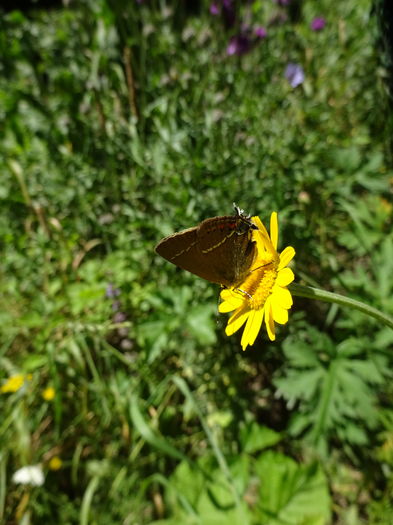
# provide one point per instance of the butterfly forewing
(219, 250)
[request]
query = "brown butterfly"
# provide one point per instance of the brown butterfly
(219, 249)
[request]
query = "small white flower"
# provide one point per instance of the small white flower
(29, 475)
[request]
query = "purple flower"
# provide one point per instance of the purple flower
(260, 32)
(119, 317)
(282, 2)
(294, 74)
(318, 23)
(111, 292)
(214, 9)
(239, 45)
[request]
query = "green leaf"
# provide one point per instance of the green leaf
(197, 498)
(256, 437)
(149, 435)
(335, 393)
(291, 493)
(201, 325)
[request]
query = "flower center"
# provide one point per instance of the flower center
(258, 285)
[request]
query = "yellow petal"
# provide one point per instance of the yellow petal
(55, 463)
(49, 393)
(262, 244)
(285, 277)
(280, 315)
(261, 237)
(257, 221)
(226, 294)
(230, 304)
(269, 322)
(282, 297)
(13, 383)
(244, 339)
(252, 328)
(274, 229)
(226, 307)
(237, 320)
(286, 256)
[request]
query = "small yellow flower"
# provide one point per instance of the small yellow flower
(49, 393)
(264, 293)
(55, 463)
(14, 383)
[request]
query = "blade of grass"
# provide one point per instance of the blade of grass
(87, 499)
(183, 387)
(148, 435)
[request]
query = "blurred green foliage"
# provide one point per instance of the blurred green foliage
(123, 122)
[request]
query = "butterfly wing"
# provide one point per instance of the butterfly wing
(219, 250)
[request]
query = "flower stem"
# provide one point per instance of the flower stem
(330, 297)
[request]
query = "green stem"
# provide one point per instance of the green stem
(330, 297)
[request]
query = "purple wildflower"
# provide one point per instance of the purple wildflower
(111, 292)
(294, 74)
(260, 32)
(214, 9)
(119, 317)
(282, 2)
(318, 23)
(239, 45)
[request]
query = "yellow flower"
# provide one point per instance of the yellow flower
(14, 383)
(49, 393)
(55, 463)
(263, 294)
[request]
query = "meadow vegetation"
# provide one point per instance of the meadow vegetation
(123, 122)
